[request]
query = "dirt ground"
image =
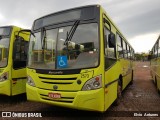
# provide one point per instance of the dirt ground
(138, 100)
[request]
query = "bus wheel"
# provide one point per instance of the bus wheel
(158, 90)
(155, 82)
(131, 78)
(157, 87)
(119, 93)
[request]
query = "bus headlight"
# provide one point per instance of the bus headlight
(93, 83)
(4, 76)
(30, 81)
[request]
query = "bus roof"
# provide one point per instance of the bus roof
(68, 10)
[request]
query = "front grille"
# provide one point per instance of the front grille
(62, 81)
(47, 78)
(57, 82)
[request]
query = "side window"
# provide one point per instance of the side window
(20, 50)
(155, 50)
(119, 46)
(110, 58)
(153, 53)
(129, 52)
(109, 52)
(133, 57)
(159, 48)
(124, 49)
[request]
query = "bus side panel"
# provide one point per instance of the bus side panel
(154, 69)
(158, 83)
(155, 72)
(151, 69)
(127, 72)
(18, 81)
(111, 75)
(5, 87)
(158, 73)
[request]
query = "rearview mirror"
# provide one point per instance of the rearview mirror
(111, 40)
(0, 37)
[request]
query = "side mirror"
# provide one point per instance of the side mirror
(111, 40)
(26, 30)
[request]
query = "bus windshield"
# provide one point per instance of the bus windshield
(55, 52)
(5, 31)
(4, 45)
(4, 48)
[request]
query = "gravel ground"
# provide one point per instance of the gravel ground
(138, 99)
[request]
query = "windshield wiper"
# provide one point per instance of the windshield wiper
(71, 32)
(43, 37)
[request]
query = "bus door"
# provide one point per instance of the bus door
(111, 68)
(20, 48)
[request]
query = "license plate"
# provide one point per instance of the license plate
(54, 95)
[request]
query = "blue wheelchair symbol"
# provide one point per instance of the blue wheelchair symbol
(62, 62)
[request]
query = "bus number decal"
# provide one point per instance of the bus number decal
(84, 75)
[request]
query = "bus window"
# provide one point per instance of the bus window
(129, 52)
(4, 48)
(124, 49)
(20, 53)
(109, 52)
(159, 48)
(119, 46)
(155, 50)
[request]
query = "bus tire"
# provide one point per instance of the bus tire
(158, 90)
(157, 86)
(119, 93)
(131, 78)
(155, 81)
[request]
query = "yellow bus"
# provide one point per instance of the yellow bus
(155, 64)
(13, 56)
(89, 63)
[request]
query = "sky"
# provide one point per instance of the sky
(138, 20)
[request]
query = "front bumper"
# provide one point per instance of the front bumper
(92, 100)
(5, 88)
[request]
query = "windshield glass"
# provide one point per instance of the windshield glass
(4, 48)
(82, 51)
(5, 31)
